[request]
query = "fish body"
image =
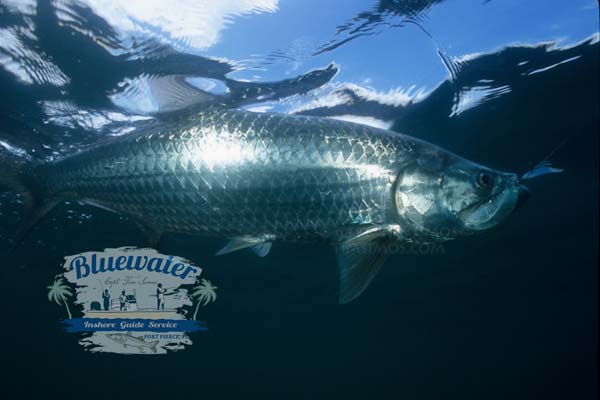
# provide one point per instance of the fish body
(231, 173)
(255, 178)
(127, 339)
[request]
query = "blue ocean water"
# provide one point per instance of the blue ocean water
(510, 313)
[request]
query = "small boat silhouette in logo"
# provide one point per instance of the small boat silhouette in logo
(137, 342)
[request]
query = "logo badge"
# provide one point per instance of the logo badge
(131, 301)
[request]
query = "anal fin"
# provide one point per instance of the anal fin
(262, 249)
(261, 245)
(151, 235)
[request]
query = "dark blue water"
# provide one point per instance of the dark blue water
(510, 313)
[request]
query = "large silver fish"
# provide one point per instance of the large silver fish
(258, 178)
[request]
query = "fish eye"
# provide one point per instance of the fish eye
(485, 180)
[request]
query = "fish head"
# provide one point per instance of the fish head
(480, 197)
(442, 196)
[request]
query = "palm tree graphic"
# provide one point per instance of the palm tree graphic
(204, 294)
(59, 292)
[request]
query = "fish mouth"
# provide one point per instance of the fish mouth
(491, 211)
(524, 194)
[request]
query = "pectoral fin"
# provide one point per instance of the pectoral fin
(359, 259)
(261, 245)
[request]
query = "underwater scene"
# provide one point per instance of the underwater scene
(376, 199)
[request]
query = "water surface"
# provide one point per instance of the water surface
(509, 313)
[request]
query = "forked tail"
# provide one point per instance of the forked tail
(16, 174)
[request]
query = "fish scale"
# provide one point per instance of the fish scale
(240, 173)
(257, 178)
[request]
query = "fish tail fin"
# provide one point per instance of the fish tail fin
(16, 174)
(153, 345)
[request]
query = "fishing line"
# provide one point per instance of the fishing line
(544, 167)
(561, 144)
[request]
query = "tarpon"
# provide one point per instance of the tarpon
(138, 342)
(256, 178)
